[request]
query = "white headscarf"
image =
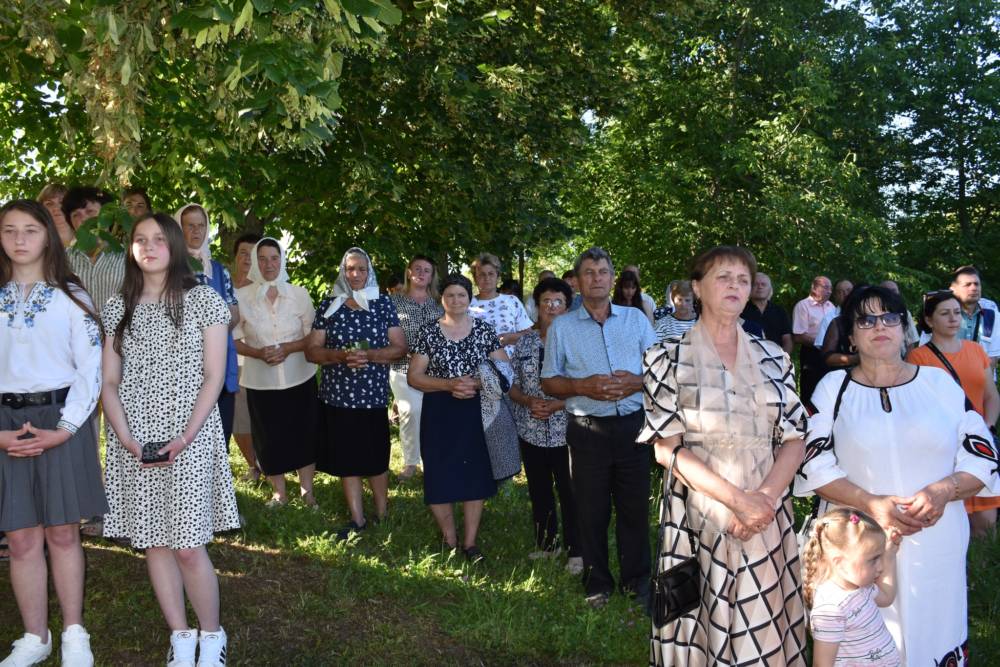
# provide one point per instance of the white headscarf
(342, 289)
(202, 254)
(257, 278)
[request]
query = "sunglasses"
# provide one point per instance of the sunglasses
(939, 294)
(888, 320)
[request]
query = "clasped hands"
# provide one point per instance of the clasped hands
(753, 512)
(910, 515)
(273, 355)
(612, 387)
(30, 440)
(172, 449)
(464, 386)
(543, 408)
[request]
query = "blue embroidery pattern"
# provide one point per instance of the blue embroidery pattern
(8, 302)
(93, 331)
(39, 298)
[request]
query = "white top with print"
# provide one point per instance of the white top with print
(505, 312)
(47, 342)
(852, 620)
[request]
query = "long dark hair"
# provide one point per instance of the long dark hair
(627, 278)
(179, 276)
(55, 265)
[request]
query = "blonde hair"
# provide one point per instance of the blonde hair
(489, 259)
(51, 191)
(839, 530)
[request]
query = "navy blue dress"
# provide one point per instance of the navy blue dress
(452, 446)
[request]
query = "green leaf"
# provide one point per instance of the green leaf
(126, 70)
(263, 6)
(112, 27)
(245, 18)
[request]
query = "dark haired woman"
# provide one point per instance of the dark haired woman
(355, 336)
(275, 322)
(628, 292)
(50, 477)
(243, 249)
(417, 306)
(445, 365)
(723, 403)
(905, 450)
(967, 363)
(164, 365)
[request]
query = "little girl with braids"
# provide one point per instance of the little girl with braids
(849, 572)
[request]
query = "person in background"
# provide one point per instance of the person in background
(136, 202)
(683, 316)
(541, 427)
(512, 288)
(668, 306)
(806, 318)
(772, 318)
(101, 270)
(275, 323)
(51, 197)
(628, 292)
(394, 285)
(968, 364)
(570, 278)
(838, 350)
(243, 250)
(910, 337)
(445, 366)
(593, 361)
(193, 221)
(164, 366)
(841, 290)
(355, 337)
(504, 311)
(979, 315)
(530, 306)
(648, 301)
(50, 379)
(417, 306)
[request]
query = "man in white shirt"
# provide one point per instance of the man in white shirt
(806, 318)
(841, 290)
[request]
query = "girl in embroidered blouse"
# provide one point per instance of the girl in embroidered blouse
(849, 572)
(50, 379)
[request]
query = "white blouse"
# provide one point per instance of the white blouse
(264, 324)
(505, 312)
(47, 342)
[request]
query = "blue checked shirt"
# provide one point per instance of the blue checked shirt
(576, 346)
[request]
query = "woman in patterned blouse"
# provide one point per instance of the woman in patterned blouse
(541, 427)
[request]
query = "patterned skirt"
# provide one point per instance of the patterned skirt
(752, 611)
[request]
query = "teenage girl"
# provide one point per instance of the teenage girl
(849, 572)
(50, 477)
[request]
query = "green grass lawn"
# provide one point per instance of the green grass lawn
(291, 595)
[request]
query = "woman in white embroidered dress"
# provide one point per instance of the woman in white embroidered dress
(905, 451)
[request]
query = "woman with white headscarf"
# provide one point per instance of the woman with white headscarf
(194, 223)
(275, 323)
(356, 335)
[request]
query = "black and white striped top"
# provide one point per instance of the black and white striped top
(103, 277)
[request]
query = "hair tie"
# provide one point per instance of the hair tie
(854, 518)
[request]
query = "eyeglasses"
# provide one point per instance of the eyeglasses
(553, 303)
(888, 320)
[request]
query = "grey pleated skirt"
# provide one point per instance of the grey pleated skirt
(59, 486)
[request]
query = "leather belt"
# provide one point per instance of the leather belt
(18, 401)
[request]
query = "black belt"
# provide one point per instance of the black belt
(583, 418)
(18, 401)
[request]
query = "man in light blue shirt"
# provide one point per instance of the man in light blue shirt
(593, 360)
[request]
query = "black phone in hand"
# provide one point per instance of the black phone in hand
(150, 453)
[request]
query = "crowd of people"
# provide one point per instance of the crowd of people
(586, 382)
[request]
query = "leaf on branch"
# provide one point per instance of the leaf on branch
(245, 19)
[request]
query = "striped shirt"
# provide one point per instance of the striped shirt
(669, 326)
(852, 620)
(103, 277)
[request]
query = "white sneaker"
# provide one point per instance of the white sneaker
(28, 650)
(183, 644)
(574, 565)
(76, 647)
(212, 648)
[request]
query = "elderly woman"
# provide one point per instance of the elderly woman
(724, 402)
(504, 311)
(194, 223)
(275, 323)
(968, 364)
(445, 365)
(356, 335)
(417, 305)
(683, 316)
(905, 450)
(541, 427)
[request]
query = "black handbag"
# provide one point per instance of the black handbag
(676, 590)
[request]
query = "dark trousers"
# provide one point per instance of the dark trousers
(811, 370)
(227, 411)
(544, 466)
(607, 466)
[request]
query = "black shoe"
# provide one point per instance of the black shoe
(473, 554)
(350, 529)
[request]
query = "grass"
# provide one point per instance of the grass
(291, 595)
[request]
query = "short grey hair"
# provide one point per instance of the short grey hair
(594, 254)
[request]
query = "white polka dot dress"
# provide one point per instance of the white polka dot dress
(178, 506)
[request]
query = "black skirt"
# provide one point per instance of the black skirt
(357, 442)
(285, 426)
(453, 448)
(61, 485)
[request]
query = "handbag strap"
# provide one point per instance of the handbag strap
(504, 382)
(951, 369)
(836, 411)
(665, 514)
